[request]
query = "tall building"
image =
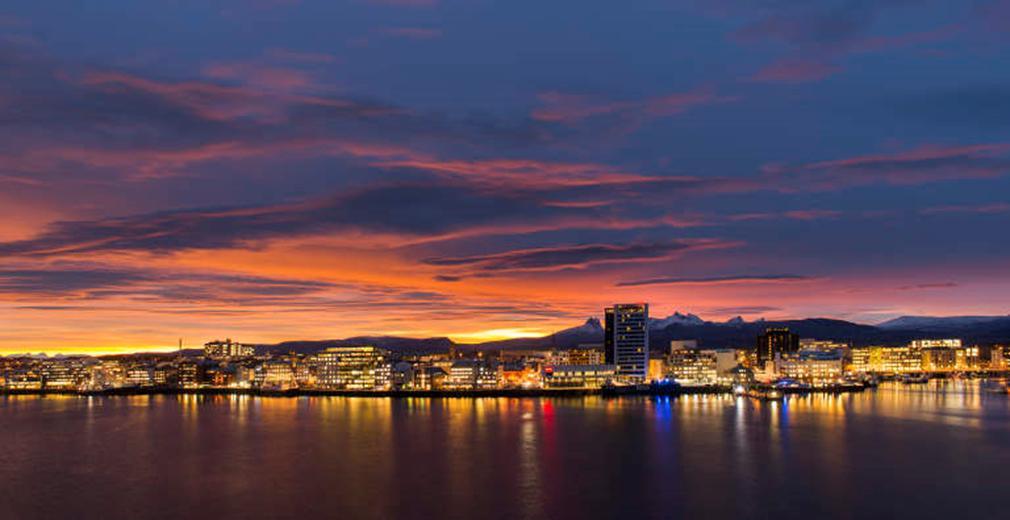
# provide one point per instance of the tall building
(775, 341)
(626, 341)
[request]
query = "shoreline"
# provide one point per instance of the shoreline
(515, 393)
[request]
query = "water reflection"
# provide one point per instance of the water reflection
(715, 456)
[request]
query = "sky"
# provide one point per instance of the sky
(271, 170)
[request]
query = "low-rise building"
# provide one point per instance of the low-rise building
(814, 367)
(588, 354)
(63, 374)
(693, 367)
(275, 374)
(227, 349)
(354, 368)
(887, 360)
(139, 375)
(474, 374)
(521, 374)
(578, 376)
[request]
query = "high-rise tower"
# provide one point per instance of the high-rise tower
(627, 340)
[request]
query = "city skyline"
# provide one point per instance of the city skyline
(313, 170)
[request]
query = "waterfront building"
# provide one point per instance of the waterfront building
(814, 367)
(275, 374)
(968, 358)
(220, 377)
(474, 374)
(431, 378)
(402, 376)
(305, 370)
(775, 341)
(245, 376)
(164, 374)
(226, 349)
(887, 360)
(354, 368)
(188, 374)
(521, 374)
(139, 375)
(692, 367)
(998, 357)
(63, 374)
(23, 379)
(578, 376)
(742, 376)
(948, 355)
(939, 359)
(626, 340)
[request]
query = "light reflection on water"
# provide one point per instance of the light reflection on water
(881, 453)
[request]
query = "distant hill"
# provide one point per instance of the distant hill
(940, 323)
(981, 329)
(733, 333)
(414, 345)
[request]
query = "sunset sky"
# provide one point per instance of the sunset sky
(282, 169)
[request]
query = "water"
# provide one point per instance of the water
(897, 452)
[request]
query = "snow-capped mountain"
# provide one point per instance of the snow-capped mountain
(675, 319)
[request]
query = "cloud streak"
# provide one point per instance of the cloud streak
(916, 166)
(574, 256)
(717, 280)
(567, 108)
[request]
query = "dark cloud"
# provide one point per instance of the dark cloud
(68, 280)
(916, 166)
(969, 209)
(716, 280)
(935, 285)
(414, 210)
(57, 119)
(571, 257)
(746, 309)
(96, 282)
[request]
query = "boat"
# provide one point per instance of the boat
(914, 379)
(764, 394)
(868, 381)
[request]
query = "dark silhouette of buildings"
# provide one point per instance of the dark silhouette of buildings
(776, 341)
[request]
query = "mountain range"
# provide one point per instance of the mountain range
(735, 332)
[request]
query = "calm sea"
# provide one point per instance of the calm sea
(933, 451)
